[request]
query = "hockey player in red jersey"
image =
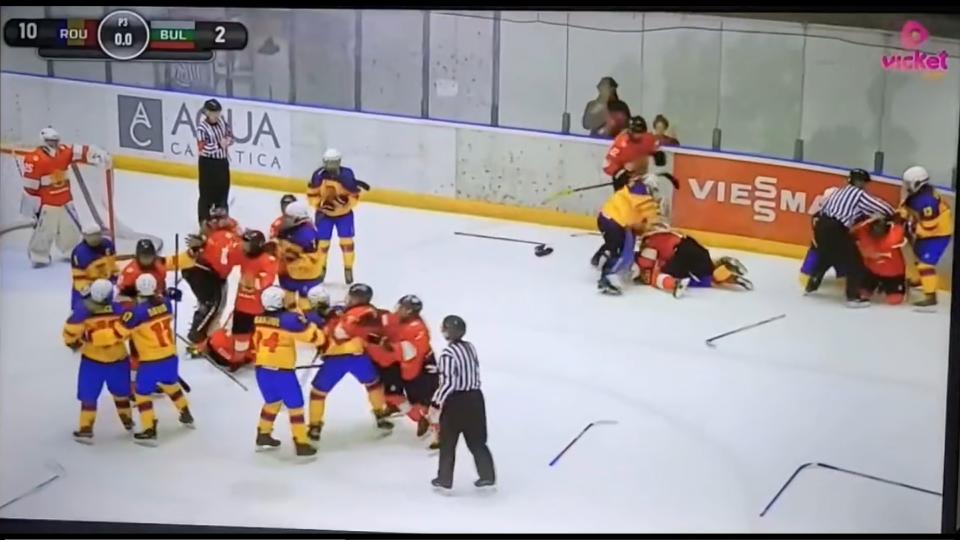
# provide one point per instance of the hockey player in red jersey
(258, 270)
(211, 258)
(880, 241)
(672, 261)
(630, 153)
(278, 223)
(46, 193)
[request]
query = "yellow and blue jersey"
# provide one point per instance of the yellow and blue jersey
(630, 206)
(275, 338)
(300, 247)
(93, 325)
(932, 215)
(90, 263)
(325, 188)
(149, 325)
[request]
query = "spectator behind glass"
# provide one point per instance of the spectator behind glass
(660, 126)
(606, 115)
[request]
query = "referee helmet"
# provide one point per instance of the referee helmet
(453, 327)
(859, 177)
(212, 105)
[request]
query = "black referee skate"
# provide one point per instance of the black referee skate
(605, 287)
(440, 486)
(265, 441)
(147, 437)
(485, 483)
(313, 432)
(187, 419)
(84, 435)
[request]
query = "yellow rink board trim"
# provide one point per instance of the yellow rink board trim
(458, 206)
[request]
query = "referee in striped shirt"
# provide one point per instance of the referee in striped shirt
(462, 409)
(214, 138)
(831, 233)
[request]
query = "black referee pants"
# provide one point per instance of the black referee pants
(836, 248)
(214, 175)
(464, 413)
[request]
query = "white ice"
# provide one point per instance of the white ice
(705, 436)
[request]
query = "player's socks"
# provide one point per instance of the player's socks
(318, 405)
(322, 252)
(148, 419)
(375, 393)
(928, 278)
(175, 393)
(124, 412)
(88, 415)
(349, 255)
(268, 414)
(298, 426)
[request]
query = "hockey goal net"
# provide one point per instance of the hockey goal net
(93, 192)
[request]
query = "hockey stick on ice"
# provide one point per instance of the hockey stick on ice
(577, 438)
(58, 472)
(215, 365)
(803, 467)
(710, 341)
(540, 250)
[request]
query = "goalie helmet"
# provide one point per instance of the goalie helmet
(146, 285)
(915, 178)
(272, 298)
(101, 290)
(318, 296)
(453, 327)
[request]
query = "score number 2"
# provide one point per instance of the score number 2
(220, 30)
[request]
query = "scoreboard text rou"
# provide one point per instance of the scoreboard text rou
(125, 35)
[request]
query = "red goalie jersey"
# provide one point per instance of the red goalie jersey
(45, 175)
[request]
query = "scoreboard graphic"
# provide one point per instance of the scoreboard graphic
(125, 35)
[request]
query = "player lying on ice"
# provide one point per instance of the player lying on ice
(879, 240)
(672, 261)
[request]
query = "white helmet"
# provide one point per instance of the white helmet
(91, 228)
(272, 298)
(49, 134)
(101, 290)
(146, 285)
(298, 210)
(318, 295)
(915, 177)
(332, 154)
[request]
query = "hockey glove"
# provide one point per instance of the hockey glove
(174, 294)
(195, 241)
(659, 158)
(620, 178)
(363, 185)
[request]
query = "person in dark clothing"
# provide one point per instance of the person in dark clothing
(607, 114)
(460, 406)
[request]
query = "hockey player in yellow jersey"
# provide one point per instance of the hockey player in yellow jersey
(333, 192)
(930, 226)
(630, 208)
(275, 336)
(149, 324)
(103, 356)
(302, 260)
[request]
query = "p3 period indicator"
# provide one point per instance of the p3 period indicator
(124, 35)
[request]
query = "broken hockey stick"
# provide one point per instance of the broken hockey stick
(710, 341)
(803, 467)
(541, 249)
(577, 438)
(215, 365)
(566, 192)
(58, 472)
(313, 364)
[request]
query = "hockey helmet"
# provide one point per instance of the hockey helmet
(858, 177)
(915, 178)
(50, 136)
(101, 290)
(253, 242)
(636, 124)
(879, 227)
(212, 105)
(332, 154)
(359, 293)
(453, 327)
(146, 285)
(272, 298)
(145, 251)
(411, 303)
(92, 234)
(318, 296)
(298, 210)
(286, 200)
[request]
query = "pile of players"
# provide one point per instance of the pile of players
(388, 352)
(636, 238)
(923, 221)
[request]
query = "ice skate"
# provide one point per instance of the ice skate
(313, 432)
(127, 422)
(734, 265)
(486, 484)
(348, 275)
(147, 437)
(265, 441)
(84, 435)
(606, 287)
(743, 282)
(929, 300)
(681, 287)
(186, 419)
(305, 450)
(858, 303)
(440, 486)
(381, 418)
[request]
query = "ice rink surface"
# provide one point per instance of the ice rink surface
(705, 436)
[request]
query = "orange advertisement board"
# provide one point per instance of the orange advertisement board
(756, 200)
